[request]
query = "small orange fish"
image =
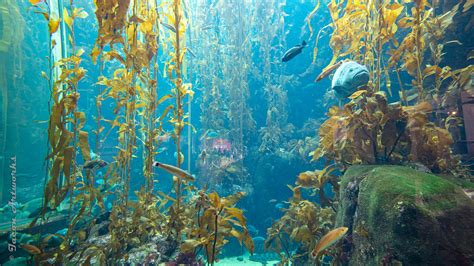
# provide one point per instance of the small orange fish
(328, 240)
(328, 70)
(33, 250)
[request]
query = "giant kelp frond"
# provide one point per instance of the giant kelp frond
(302, 222)
(217, 220)
(369, 131)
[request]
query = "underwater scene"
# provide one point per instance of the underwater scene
(237, 132)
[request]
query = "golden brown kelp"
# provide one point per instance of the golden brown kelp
(149, 97)
(143, 53)
(125, 88)
(134, 89)
(65, 135)
(111, 19)
(217, 220)
(377, 18)
(368, 130)
(178, 21)
(368, 115)
(303, 222)
(176, 24)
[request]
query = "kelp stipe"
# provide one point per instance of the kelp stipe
(65, 134)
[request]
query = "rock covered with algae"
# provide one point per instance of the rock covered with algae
(397, 214)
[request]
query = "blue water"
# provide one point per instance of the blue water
(301, 105)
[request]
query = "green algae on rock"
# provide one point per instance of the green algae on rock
(396, 213)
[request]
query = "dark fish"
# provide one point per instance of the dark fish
(294, 51)
(95, 164)
(168, 26)
(203, 155)
(190, 51)
(471, 101)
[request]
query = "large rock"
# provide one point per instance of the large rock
(397, 214)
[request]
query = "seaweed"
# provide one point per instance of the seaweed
(368, 129)
(129, 34)
(302, 223)
(65, 135)
(216, 220)
(223, 72)
(272, 136)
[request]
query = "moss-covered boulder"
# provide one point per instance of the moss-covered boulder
(397, 214)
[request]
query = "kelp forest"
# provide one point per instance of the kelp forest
(202, 132)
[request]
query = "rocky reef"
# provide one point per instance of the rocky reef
(398, 214)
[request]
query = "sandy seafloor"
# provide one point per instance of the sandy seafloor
(230, 261)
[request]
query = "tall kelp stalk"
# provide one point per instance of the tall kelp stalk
(150, 129)
(208, 68)
(236, 55)
(112, 22)
(270, 28)
(127, 131)
(189, 76)
(134, 28)
(177, 22)
(65, 123)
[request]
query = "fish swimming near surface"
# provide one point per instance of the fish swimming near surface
(328, 240)
(348, 78)
(294, 51)
(175, 171)
(95, 164)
